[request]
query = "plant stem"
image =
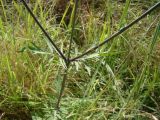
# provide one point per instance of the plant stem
(44, 31)
(62, 87)
(73, 26)
(117, 33)
(68, 59)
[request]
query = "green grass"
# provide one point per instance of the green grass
(121, 80)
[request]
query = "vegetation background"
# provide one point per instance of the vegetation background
(121, 80)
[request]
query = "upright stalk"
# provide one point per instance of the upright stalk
(68, 58)
(62, 87)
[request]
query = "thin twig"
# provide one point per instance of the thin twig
(117, 33)
(73, 26)
(62, 88)
(44, 31)
(68, 59)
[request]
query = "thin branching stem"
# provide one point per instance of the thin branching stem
(117, 33)
(68, 59)
(44, 31)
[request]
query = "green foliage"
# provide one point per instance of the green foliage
(119, 81)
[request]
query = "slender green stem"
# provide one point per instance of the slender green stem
(62, 88)
(73, 26)
(68, 59)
